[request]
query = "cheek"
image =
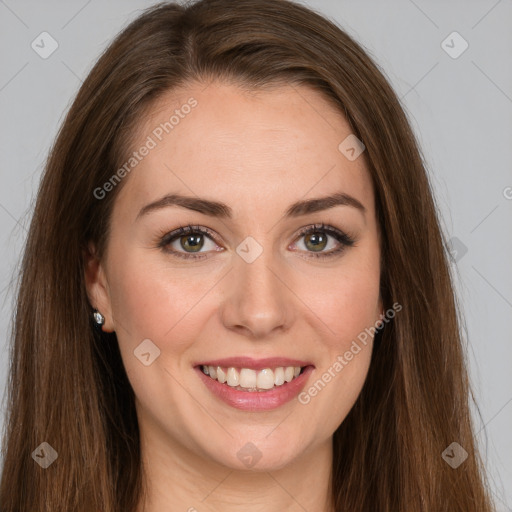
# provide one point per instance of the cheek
(347, 313)
(153, 300)
(350, 311)
(345, 299)
(346, 349)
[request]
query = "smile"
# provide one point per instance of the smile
(247, 379)
(254, 384)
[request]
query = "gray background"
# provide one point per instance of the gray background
(460, 109)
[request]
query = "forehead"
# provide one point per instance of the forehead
(245, 148)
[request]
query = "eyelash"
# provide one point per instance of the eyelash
(343, 239)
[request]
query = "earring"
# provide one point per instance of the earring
(98, 318)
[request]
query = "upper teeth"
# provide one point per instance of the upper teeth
(251, 379)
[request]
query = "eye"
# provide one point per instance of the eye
(316, 239)
(190, 239)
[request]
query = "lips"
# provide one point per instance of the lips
(255, 384)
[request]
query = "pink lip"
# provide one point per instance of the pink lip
(254, 364)
(256, 400)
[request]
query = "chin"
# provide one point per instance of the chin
(258, 452)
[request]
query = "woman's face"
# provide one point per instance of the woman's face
(254, 295)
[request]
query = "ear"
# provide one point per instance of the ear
(97, 287)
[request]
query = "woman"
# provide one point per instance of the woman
(171, 350)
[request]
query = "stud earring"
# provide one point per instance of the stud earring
(98, 318)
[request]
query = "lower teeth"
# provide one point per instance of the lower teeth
(240, 388)
(251, 390)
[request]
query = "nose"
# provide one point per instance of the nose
(259, 302)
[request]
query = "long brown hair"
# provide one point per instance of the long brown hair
(67, 382)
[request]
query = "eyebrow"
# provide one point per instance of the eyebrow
(222, 210)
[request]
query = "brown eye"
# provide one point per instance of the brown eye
(315, 241)
(193, 243)
(185, 241)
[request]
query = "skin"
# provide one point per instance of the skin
(258, 153)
